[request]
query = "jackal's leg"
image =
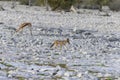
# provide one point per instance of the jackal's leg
(65, 47)
(56, 46)
(60, 46)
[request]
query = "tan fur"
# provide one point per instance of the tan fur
(23, 25)
(60, 43)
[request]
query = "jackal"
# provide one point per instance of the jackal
(60, 43)
(23, 25)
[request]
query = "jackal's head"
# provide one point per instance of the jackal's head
(68, 41)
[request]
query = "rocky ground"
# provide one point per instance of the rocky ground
(93, 53)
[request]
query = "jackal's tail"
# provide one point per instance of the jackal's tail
(52, 45)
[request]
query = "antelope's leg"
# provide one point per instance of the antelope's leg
(21, 30)
(31, 31)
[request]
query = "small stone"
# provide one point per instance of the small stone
(79, 75)
(0, 52)
(32, 69)
(86, 72)
(64, 58)
(107, 75)
(84, 52)
(37, 70)
(59, 73)
(67, 74)
(118, 78)
(10, 76)
(99, 75)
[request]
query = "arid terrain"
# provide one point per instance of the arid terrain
(93, 52)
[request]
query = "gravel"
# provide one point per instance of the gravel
(93, 53)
